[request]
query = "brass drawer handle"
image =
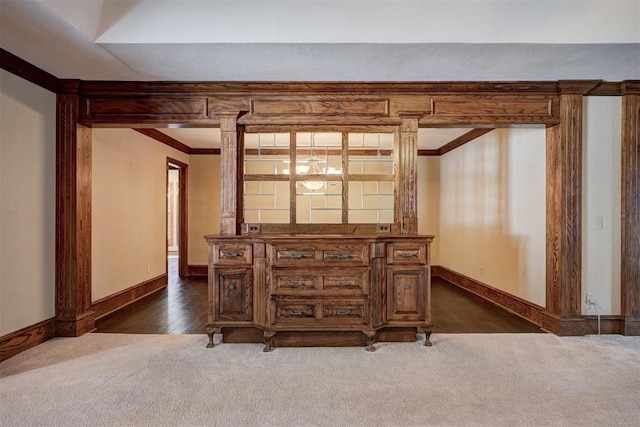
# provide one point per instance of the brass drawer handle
(343, 284)
(296, 313)
(342, 256)
(343, 313)
(296, 284)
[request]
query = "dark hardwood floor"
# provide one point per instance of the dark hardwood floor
(181, 308)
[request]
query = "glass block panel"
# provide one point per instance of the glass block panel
(319, 206)
(371, 153)
(266, 202)
(371, 202)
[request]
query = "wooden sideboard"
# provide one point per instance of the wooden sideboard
(314, 290)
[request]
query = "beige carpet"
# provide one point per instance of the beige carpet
(487, 380)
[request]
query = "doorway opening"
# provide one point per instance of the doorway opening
(177, 262)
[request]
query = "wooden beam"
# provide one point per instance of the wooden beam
(174, 143)
(463, 139)
(564, 213)
(74, 315)
(28, 71)
(165, 139)
(630, 268)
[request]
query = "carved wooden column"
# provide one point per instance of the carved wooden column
(408, 189)
(564, 213)
(630, 268)
(73, 216)
(230, 175)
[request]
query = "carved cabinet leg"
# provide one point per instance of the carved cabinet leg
(371, 339)
(211, 330)
(268, 340)
(427, 334)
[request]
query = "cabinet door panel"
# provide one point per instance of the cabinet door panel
(406, 294)
(234, 287)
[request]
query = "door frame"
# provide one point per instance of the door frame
(183, 223)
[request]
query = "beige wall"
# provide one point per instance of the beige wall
(27, 211)
(601, 199)
(204, 204)
(492, 211)
(429, 202)
(129, 209)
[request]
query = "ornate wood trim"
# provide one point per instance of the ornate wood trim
(73, 218)
(21, 68)
(564, 204)
(26, 338)
(109, 304)
(407, 154)
(229, 164)
(630, 268)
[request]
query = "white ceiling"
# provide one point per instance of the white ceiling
(326, 40)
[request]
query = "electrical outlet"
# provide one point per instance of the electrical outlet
(599, 223)
(590, 300)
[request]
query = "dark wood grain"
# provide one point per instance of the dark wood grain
(630, 236)
(522, 308)
(74, 316)
(27, 71)
(564, 215)
(179, 308)
(25, 338)
(229, 174)
(114, 302)
(182, 308)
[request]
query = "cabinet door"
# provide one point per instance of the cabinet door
(406, 294)
(234, 294)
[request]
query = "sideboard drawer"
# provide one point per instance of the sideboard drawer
(293, 255)
(296, 281)
(310, 313)
(341, 283)
(232, 254)
(406, 253)
(316, 253)
(345, 312)
(288, 311)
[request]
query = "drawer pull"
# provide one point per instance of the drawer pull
(343, 284)
(296, 284)
(406, 254)
(406, 286)
(343, 313)
(296, 313)
(342, 256)
(232, 287)
(232, 255)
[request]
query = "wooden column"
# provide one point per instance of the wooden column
(564, 213)
(73, 216)
(630, 268)
(229, 175)
(407, 154)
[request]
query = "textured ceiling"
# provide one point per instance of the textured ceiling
(326, 40)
